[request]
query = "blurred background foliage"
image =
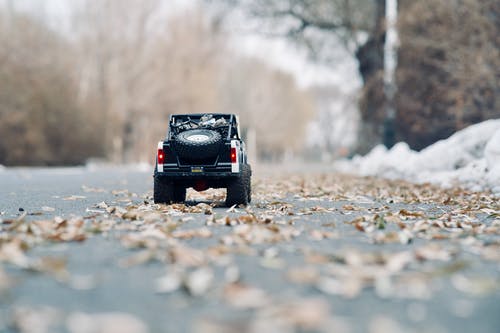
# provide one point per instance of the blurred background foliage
(106, 87)
(448, 75)
(449, 70)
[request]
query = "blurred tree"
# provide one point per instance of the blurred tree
(268, 102)
(113, 80)
(115, 52)
(320, 25)
(186, 72)
(139, 75)
(449, 72)
(178, 66)
(40, 121)
(336, 123)
(448, 76)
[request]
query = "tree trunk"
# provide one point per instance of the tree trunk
(371, 65)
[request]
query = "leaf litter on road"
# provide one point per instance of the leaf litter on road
(433, 228)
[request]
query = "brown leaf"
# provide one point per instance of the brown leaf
(244, 296)
(198, 282)
(303, 275)
(404, 212)
(111, 322)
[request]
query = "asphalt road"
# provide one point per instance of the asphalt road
(100, 284)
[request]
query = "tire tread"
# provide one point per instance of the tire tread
(239, 189)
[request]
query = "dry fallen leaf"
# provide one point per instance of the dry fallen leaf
(433, 251)
(170, 282)
(192, 233)
(243, 296)
(111, 322)
(348, 288)
(5, 281)
(74, 197)
(416, 234)
(303, 275)
(35, 320)
(476, 286)
(199, 281)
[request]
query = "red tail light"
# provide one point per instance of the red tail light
(233, 155)
(161, 156)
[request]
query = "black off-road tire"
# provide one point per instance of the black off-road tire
(163, 191)
(179, 193)
(239, 189)
(198, 149)
(167, 192)
(249, 190)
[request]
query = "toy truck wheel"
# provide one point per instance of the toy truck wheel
(249, 193)
(163, 191)
(167, 192)
(249, 182)
(238, 190)
(197, 144)
(179, 194)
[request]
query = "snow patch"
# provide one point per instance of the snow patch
(469, 158)
(492, 156)
(2, 168)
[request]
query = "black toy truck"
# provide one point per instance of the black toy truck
(202, 151)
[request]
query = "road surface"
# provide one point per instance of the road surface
(85, 250)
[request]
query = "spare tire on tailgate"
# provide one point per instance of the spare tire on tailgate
(197, 144)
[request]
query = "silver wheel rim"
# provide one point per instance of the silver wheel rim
(198, 138)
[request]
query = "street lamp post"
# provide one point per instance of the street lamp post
(390, 64)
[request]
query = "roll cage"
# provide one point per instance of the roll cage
(182, 122)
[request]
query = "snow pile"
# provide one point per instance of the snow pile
(2, 168)
(470, 158)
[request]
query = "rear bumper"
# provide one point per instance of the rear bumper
(196, 172)
(198, 175)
